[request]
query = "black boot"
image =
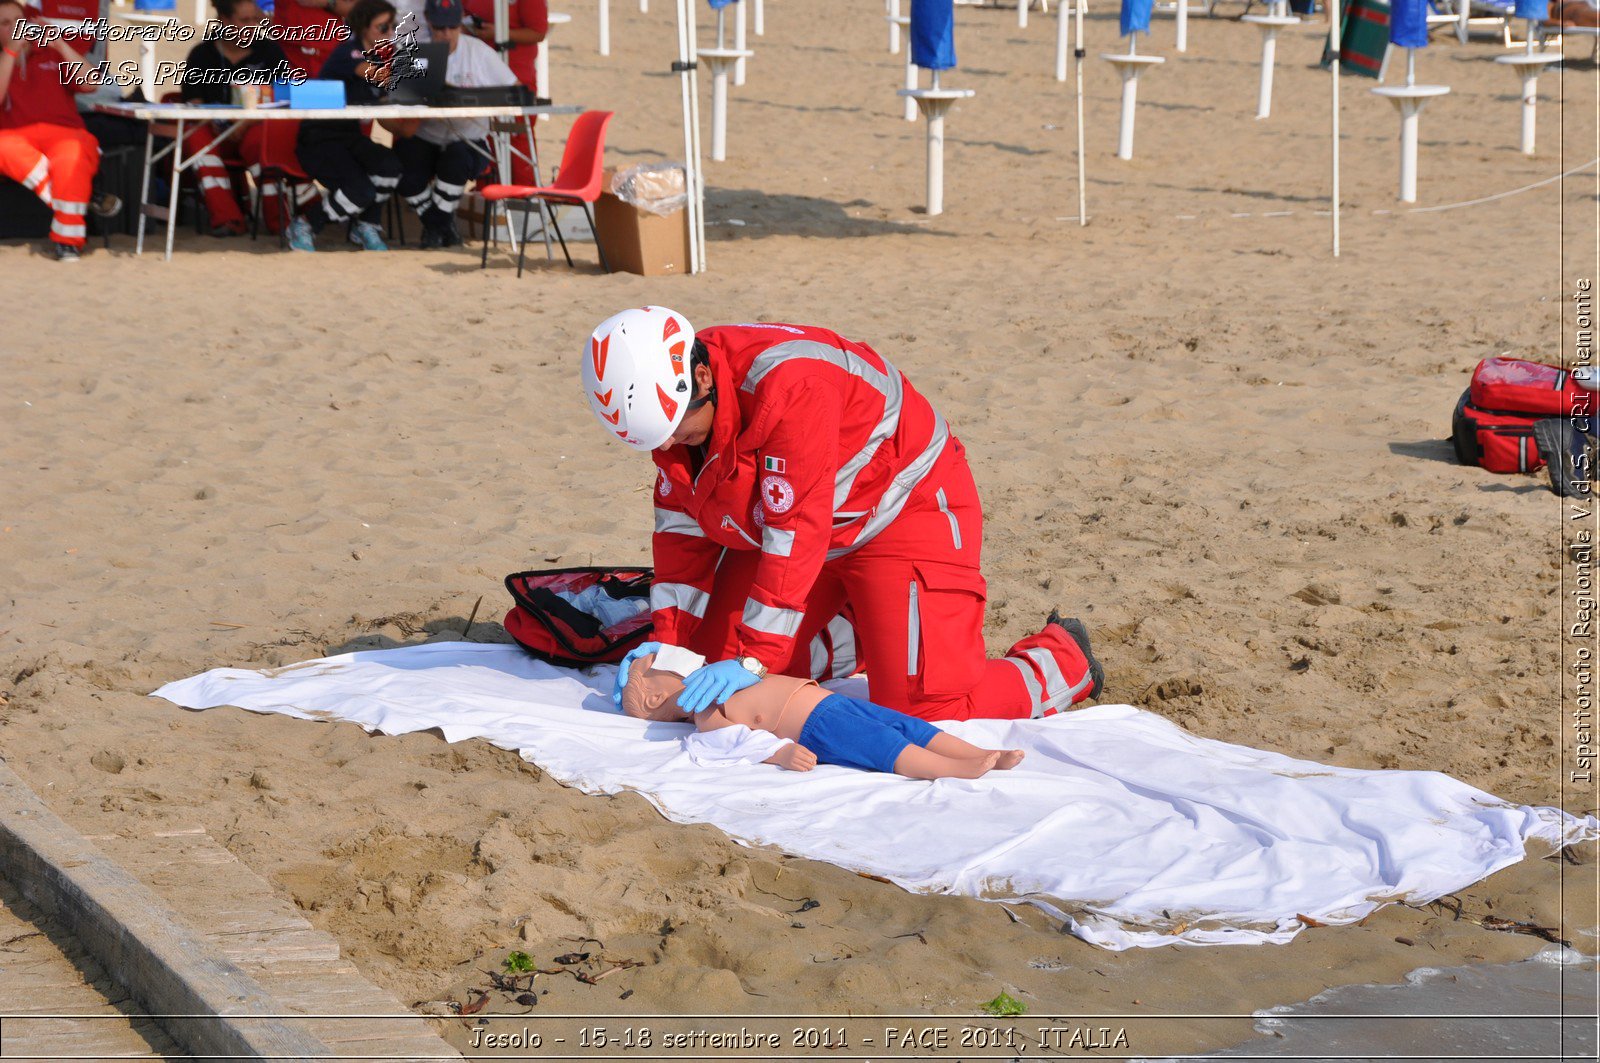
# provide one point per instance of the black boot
(1076, 630)
(439, 229)
(1564, 445)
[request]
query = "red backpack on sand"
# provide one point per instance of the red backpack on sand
(1494, 420)
(580, 616)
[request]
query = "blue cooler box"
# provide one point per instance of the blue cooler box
(309, 95)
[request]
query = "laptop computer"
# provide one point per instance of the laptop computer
(486, 96)
(419, 73)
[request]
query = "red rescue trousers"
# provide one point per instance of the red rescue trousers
(57, 163)
(916, 596)
(216, 183)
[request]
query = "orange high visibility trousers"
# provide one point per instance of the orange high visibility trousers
(57, 163)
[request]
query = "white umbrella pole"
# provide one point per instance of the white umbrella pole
(1182, 40)
(1061, 41)
(605, 27)
(1022, 14)
(684, 55)
(911, 83)
(691, 158)
(502, 158)
(1269, 59)
(892, 7)
(1078, 53)
(1335, 17)
(698, 235)
(759, 20)
(738, 39)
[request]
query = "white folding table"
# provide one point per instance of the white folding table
(231, 118)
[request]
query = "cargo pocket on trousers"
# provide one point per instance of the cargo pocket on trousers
(944, 630)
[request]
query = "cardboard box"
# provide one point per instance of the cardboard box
(636, 241)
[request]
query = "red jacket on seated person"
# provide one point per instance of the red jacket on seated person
(528, 21)
(312, 30)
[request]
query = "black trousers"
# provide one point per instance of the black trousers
(433, 177)
(358, 173)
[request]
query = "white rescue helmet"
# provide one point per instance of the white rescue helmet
(636, 374)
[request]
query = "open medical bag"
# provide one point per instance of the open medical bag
(580, 616)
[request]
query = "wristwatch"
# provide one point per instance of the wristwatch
(753, 666)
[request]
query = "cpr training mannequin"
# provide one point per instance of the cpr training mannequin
(818, 726)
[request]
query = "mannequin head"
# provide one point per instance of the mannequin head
(652, 694)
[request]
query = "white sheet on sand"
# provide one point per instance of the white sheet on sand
(1134, 831)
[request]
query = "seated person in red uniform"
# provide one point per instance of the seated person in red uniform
(206, 80)
(43, 145)
(527, 23)
(86, 27)
(359, 174)
(312, 30)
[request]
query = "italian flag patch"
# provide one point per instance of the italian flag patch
(775, 464)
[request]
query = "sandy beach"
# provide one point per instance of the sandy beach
(1191, 425)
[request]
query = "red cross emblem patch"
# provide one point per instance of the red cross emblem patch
(777, 494)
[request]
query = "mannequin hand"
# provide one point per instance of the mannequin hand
(714, 683)
(634, 654)
(793, 757)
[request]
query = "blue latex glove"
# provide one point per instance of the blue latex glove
(714, 683)
(627, 662)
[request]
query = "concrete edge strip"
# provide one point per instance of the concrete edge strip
(164, 965)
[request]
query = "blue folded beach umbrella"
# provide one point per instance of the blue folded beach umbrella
(933, 34)
(718, 5)
(1408, 23)
(1136, 16)
(1536, 10)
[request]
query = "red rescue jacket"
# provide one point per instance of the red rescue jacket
(816, 446)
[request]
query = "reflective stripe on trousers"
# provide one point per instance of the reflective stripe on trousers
(913, 630)
(1056, 692)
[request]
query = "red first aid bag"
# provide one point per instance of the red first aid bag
(1513, 385)
(580, 616)
(1498, 440)
(1494, 420)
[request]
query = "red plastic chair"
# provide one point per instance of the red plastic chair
(280, 164)
(577, 182)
